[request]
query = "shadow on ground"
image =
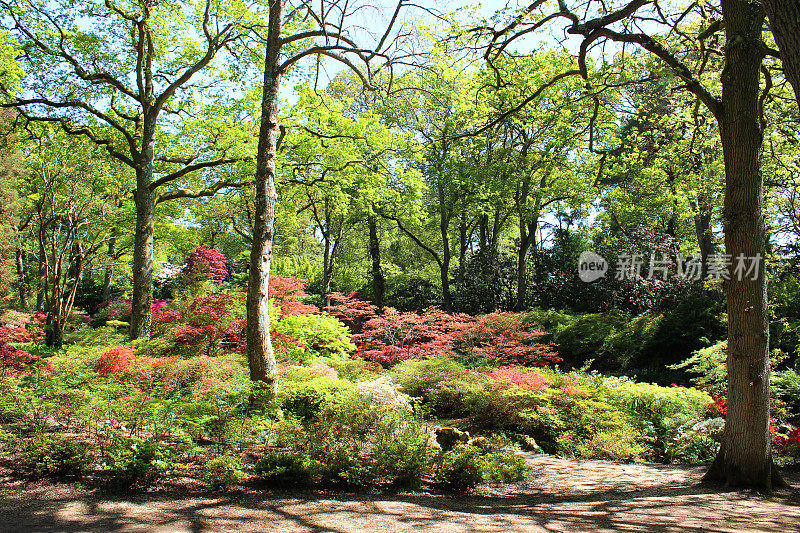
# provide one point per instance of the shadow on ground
(562, 496)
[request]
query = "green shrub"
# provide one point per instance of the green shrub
(621, 445)
(442, 383)
(616, 341)
(305, 399)
(580, 337)
(697, 321)
(55, 455)
(498, 406)
(223, 470)
(502, 467)
(625, 347)
(353, 369)
(403, 451)
(786, 386)
(708, 365)
(655, 411)
(587, 415)
(558, 420)
(711, 374)
(136, 461)
(695, 441)
(217, 409)
(344, 437)
(354, 435)
(286, 468)
(459, 468)
(319, 334)
(104, 337)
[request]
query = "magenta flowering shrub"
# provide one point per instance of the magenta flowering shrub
(205, 264)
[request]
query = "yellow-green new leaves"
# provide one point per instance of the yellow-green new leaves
(10, 71)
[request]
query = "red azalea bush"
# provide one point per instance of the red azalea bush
(504, 339)
(158, 305)
(116, 360)
(497, 339)
(718, 408)
(394, 336)
(12, 359)
(203, 264)
(352, 310)
(287, 294)
(215, 323)
(121, 363)
(788, 445)
(210, 325)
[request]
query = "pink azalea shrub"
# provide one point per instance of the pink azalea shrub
(526, 380)
(23, 327)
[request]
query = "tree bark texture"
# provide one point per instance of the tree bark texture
(22, 284)
(527, 237)
(143, 245)
(784, 20)
(745, 457)
(109, 273)
(261, 357)
(378, 281)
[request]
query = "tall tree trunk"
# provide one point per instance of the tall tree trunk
(22, 284)
(672, 223)
(527, 236)
(143, 248)
(483, 226)
(745, 457)
(53, 332)
(378, 281)
(109, 273)
(42, 270)
(702, 229)
(330, 253)
(261, 358)
(462, 248)
(327, 269)
(784, 21)
(444, 270)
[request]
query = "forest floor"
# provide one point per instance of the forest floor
(561, 495)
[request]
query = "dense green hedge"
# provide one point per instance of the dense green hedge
(619, 342)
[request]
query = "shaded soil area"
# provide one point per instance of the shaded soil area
(561, 496)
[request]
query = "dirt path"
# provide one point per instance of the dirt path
(562, 496)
